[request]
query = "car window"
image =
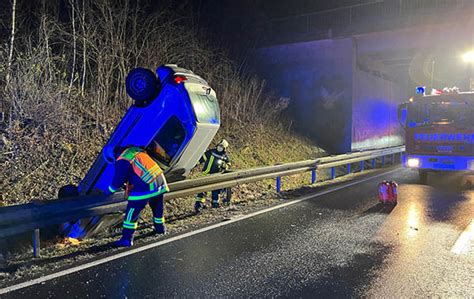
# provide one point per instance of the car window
(167, 142)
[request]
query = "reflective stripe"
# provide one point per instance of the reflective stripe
(127, 223)
(130, 225)
(200, 199)
(139, 165)
(149, 169)
(111, 189)
(130, 153)
(143, 169)
(148, 174)
(130, 214)
(159, 220)
(209, 165)
(155, 173)
(161, 189)
(139, 197)
(155, 169)
(140, 160)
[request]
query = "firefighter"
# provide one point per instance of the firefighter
(215, 161)
(145, 184)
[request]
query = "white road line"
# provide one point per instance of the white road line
(182, 236)
(463, 244)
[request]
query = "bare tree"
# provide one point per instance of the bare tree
(73, 21)
(49, 117)
(12, 39)
(84, 47)
(45, 35)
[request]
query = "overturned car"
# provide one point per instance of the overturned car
(175, 115)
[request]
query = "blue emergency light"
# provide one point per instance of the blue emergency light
(420, 90)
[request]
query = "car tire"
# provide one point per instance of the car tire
(142, 86)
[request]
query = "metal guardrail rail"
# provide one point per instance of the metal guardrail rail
(39, 214)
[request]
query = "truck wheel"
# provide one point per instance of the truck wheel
(423, 176)
(141, 85)
(68, 191)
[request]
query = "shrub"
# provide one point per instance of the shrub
(65, 90)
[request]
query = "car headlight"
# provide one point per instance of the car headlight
(413, 162)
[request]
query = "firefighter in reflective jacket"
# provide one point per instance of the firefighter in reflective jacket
(215, 161)
(145, 184)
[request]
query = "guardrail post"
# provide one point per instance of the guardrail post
(313, 176)
(392, 159)
(373, 163)
(362, 165)
(348, 168)
(36, 243)
(333, 173)
(383, 161)
(278, 184)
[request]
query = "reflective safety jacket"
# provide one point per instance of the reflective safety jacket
(143, 176)
(214, 161)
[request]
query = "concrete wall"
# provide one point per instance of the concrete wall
(317, 77)
(374, 111)
(344, 93)
(335, 97)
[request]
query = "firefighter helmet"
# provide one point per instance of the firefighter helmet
(224, 144)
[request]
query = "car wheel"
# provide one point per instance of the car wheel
(142, 86)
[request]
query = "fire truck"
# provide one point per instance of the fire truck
(439, 132)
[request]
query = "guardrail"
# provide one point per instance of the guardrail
(39, 214)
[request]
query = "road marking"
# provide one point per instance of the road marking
(182, 236)
(463, 244)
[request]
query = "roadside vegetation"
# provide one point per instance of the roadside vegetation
(62, 70)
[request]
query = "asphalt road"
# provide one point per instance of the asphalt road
(339, 244)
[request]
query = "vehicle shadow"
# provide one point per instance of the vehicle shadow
(379, 208)
(449, 198)
(451, 182)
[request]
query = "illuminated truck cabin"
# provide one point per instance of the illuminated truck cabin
(439, 133)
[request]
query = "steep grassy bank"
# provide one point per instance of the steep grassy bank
(62, 91)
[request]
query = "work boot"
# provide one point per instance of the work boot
(198, 206)
(215, 205)
(123, 243)
(160, 229)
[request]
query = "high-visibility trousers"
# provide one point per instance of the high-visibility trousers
(132, 213)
